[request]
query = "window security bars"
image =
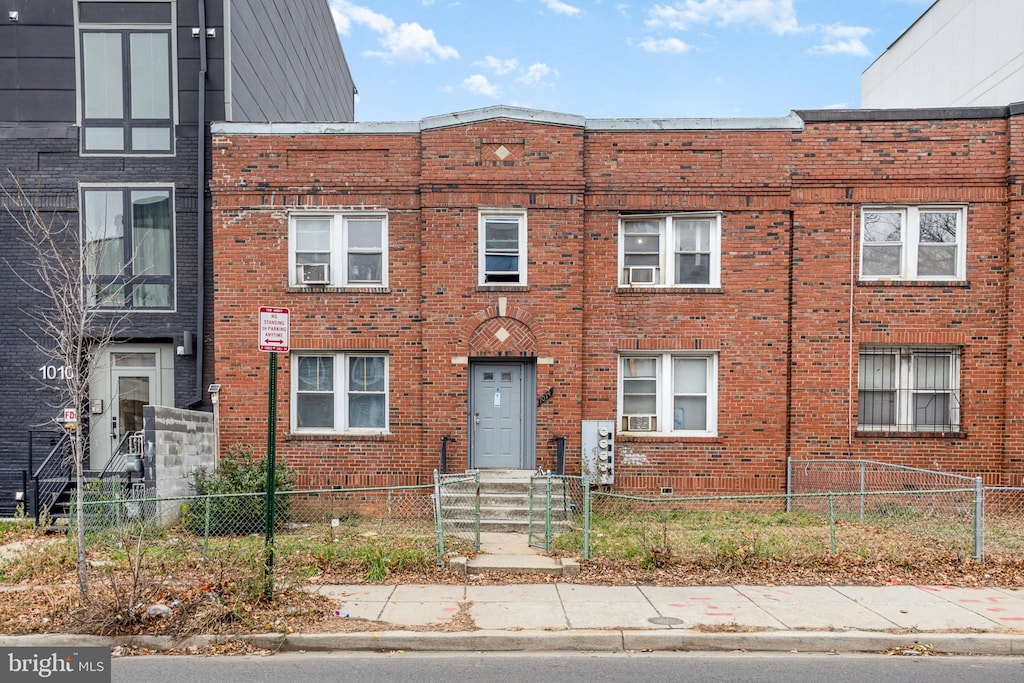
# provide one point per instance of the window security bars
(909, 390)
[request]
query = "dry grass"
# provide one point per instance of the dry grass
(218, 588)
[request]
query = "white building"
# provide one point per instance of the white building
(959, 53)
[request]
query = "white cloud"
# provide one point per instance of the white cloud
(536, 73)
(840, 105)
(843, 40)
(341, 21)
(408, 42)
(777, 15)
(378, 23)
(559, 7)
(672, 45)
(479, 85)
(852, 47)
(499, 66)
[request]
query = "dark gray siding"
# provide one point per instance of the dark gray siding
(287, 63)
(49, 169)
(37, 62)
(188, 62)
(39, 144)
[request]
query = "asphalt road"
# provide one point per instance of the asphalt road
(549, 667)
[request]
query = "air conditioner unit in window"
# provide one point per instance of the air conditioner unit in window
(314, 274)
(642, 275)
(641, 423)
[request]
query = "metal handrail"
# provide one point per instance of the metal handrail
(51, 477)
(134, 441)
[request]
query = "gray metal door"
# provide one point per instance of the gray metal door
(496, 415)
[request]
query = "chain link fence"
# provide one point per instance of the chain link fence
(866, 476)
(1004, 523)
(731, 532)
(860, 508)
(886, 490)
(378, 529)
(557, 513)
(457, 499)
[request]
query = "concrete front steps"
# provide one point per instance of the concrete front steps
(505, 512)
(511, 553)
(505, 503)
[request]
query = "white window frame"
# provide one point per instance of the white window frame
(340, 391)
(509, 216)
(128, 277)
(665, 275)
(909, 243)
(665, 393)
(339, 247)
(905, 390)
(82, 27)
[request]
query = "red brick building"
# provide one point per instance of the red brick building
(728, 293)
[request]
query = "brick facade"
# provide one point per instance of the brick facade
(786, 322)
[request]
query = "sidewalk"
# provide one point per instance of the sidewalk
(580, 617)
(568, 616)
(548, 617)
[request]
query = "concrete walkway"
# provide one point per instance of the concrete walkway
(909, 620)
(504, 552)
(568, 606)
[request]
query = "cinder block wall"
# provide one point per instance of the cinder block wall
(178, 442)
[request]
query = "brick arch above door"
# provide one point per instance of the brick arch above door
(498, 337)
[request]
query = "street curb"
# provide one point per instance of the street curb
(669, 640)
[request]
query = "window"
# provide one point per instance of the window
(340, 392)
(338, 250)
(128, 242)
(913, 243)
(669, 393)
(503, 256)
(678, 251)
(907, 389)
(126, 76)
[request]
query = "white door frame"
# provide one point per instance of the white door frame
(104, 404)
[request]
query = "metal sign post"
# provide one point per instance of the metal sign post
(274, 331)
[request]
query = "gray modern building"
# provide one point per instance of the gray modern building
(104, 121)
(959, 53)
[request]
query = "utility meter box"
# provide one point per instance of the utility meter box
(598, 439)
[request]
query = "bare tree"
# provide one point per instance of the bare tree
(71, 328)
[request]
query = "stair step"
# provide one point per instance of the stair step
(520, 564)
(514, 514)
(506, 504)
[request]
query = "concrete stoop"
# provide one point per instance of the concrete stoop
(510, 552)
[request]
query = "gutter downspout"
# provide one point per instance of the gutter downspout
(201, 208)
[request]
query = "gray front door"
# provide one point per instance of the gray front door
(497, 415)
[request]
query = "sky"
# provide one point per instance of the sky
(411, 59)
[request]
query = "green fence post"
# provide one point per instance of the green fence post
(979, 520)
(438, 521)
(586, 520)
(789, 484)
(476, 516)
(529, 513)
(206, 527)
(832, 521)
(547, 515)
(268, 573)
(863, 487)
